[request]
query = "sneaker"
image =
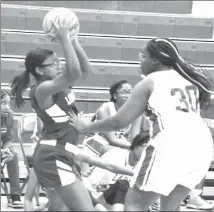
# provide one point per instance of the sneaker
(15, 202)
(185, 201)
(199, 203)
(156, 206)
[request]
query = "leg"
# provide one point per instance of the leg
(56, 169)
(13, 173)
(137, 200)
(196, 201)
(122, 189)
(55, 202)
(97, 204)
(79, 195)
(30, 190)
(200, 186)
(173, 201)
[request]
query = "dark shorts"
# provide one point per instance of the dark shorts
(54, 166)
(116, 193)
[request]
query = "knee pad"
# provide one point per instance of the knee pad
(109, 194)
(122, 189)
(123, 185)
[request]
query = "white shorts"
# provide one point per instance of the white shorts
(178, 156)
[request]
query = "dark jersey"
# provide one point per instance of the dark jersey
(56, 118)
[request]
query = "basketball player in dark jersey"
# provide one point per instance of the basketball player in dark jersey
(53, 101)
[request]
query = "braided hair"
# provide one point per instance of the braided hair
(165, 51)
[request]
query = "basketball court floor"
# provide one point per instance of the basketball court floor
(43, 200)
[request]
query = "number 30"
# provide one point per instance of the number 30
(186, 104)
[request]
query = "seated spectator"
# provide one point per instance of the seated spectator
(8, 132)
(114, 196)
(119, 91)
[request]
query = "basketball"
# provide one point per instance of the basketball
(66, 16)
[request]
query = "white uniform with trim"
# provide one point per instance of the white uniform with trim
(181, 146)
(117, 156)
(122, 133)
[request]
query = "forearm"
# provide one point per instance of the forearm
(83, 59)
(120, 143)
(106, 125)
(99, 162)
(72, 63)
(120, 169)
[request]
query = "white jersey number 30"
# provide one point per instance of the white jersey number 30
(187, 99)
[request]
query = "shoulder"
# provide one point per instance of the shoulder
(105, 108)
(107, 104)
(146, 85)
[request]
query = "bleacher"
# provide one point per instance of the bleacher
(112, 33)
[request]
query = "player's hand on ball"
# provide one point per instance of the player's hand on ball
(59, 22)
(61, 30)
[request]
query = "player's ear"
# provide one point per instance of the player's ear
(39, 72)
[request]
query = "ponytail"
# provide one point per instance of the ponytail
(166, 52)
(200, 80)
(19, 84)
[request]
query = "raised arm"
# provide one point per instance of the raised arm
(85, 65)
(72, 70)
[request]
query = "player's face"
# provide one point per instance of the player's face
(5, 105)
(51, 67)
(123, 93)
(147, 63)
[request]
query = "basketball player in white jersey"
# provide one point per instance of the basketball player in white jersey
(181, 148)
(119, 92)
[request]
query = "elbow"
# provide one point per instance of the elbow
(77, 73)
(84, 75)
(73, 76)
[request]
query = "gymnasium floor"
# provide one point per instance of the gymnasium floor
(43, 200)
